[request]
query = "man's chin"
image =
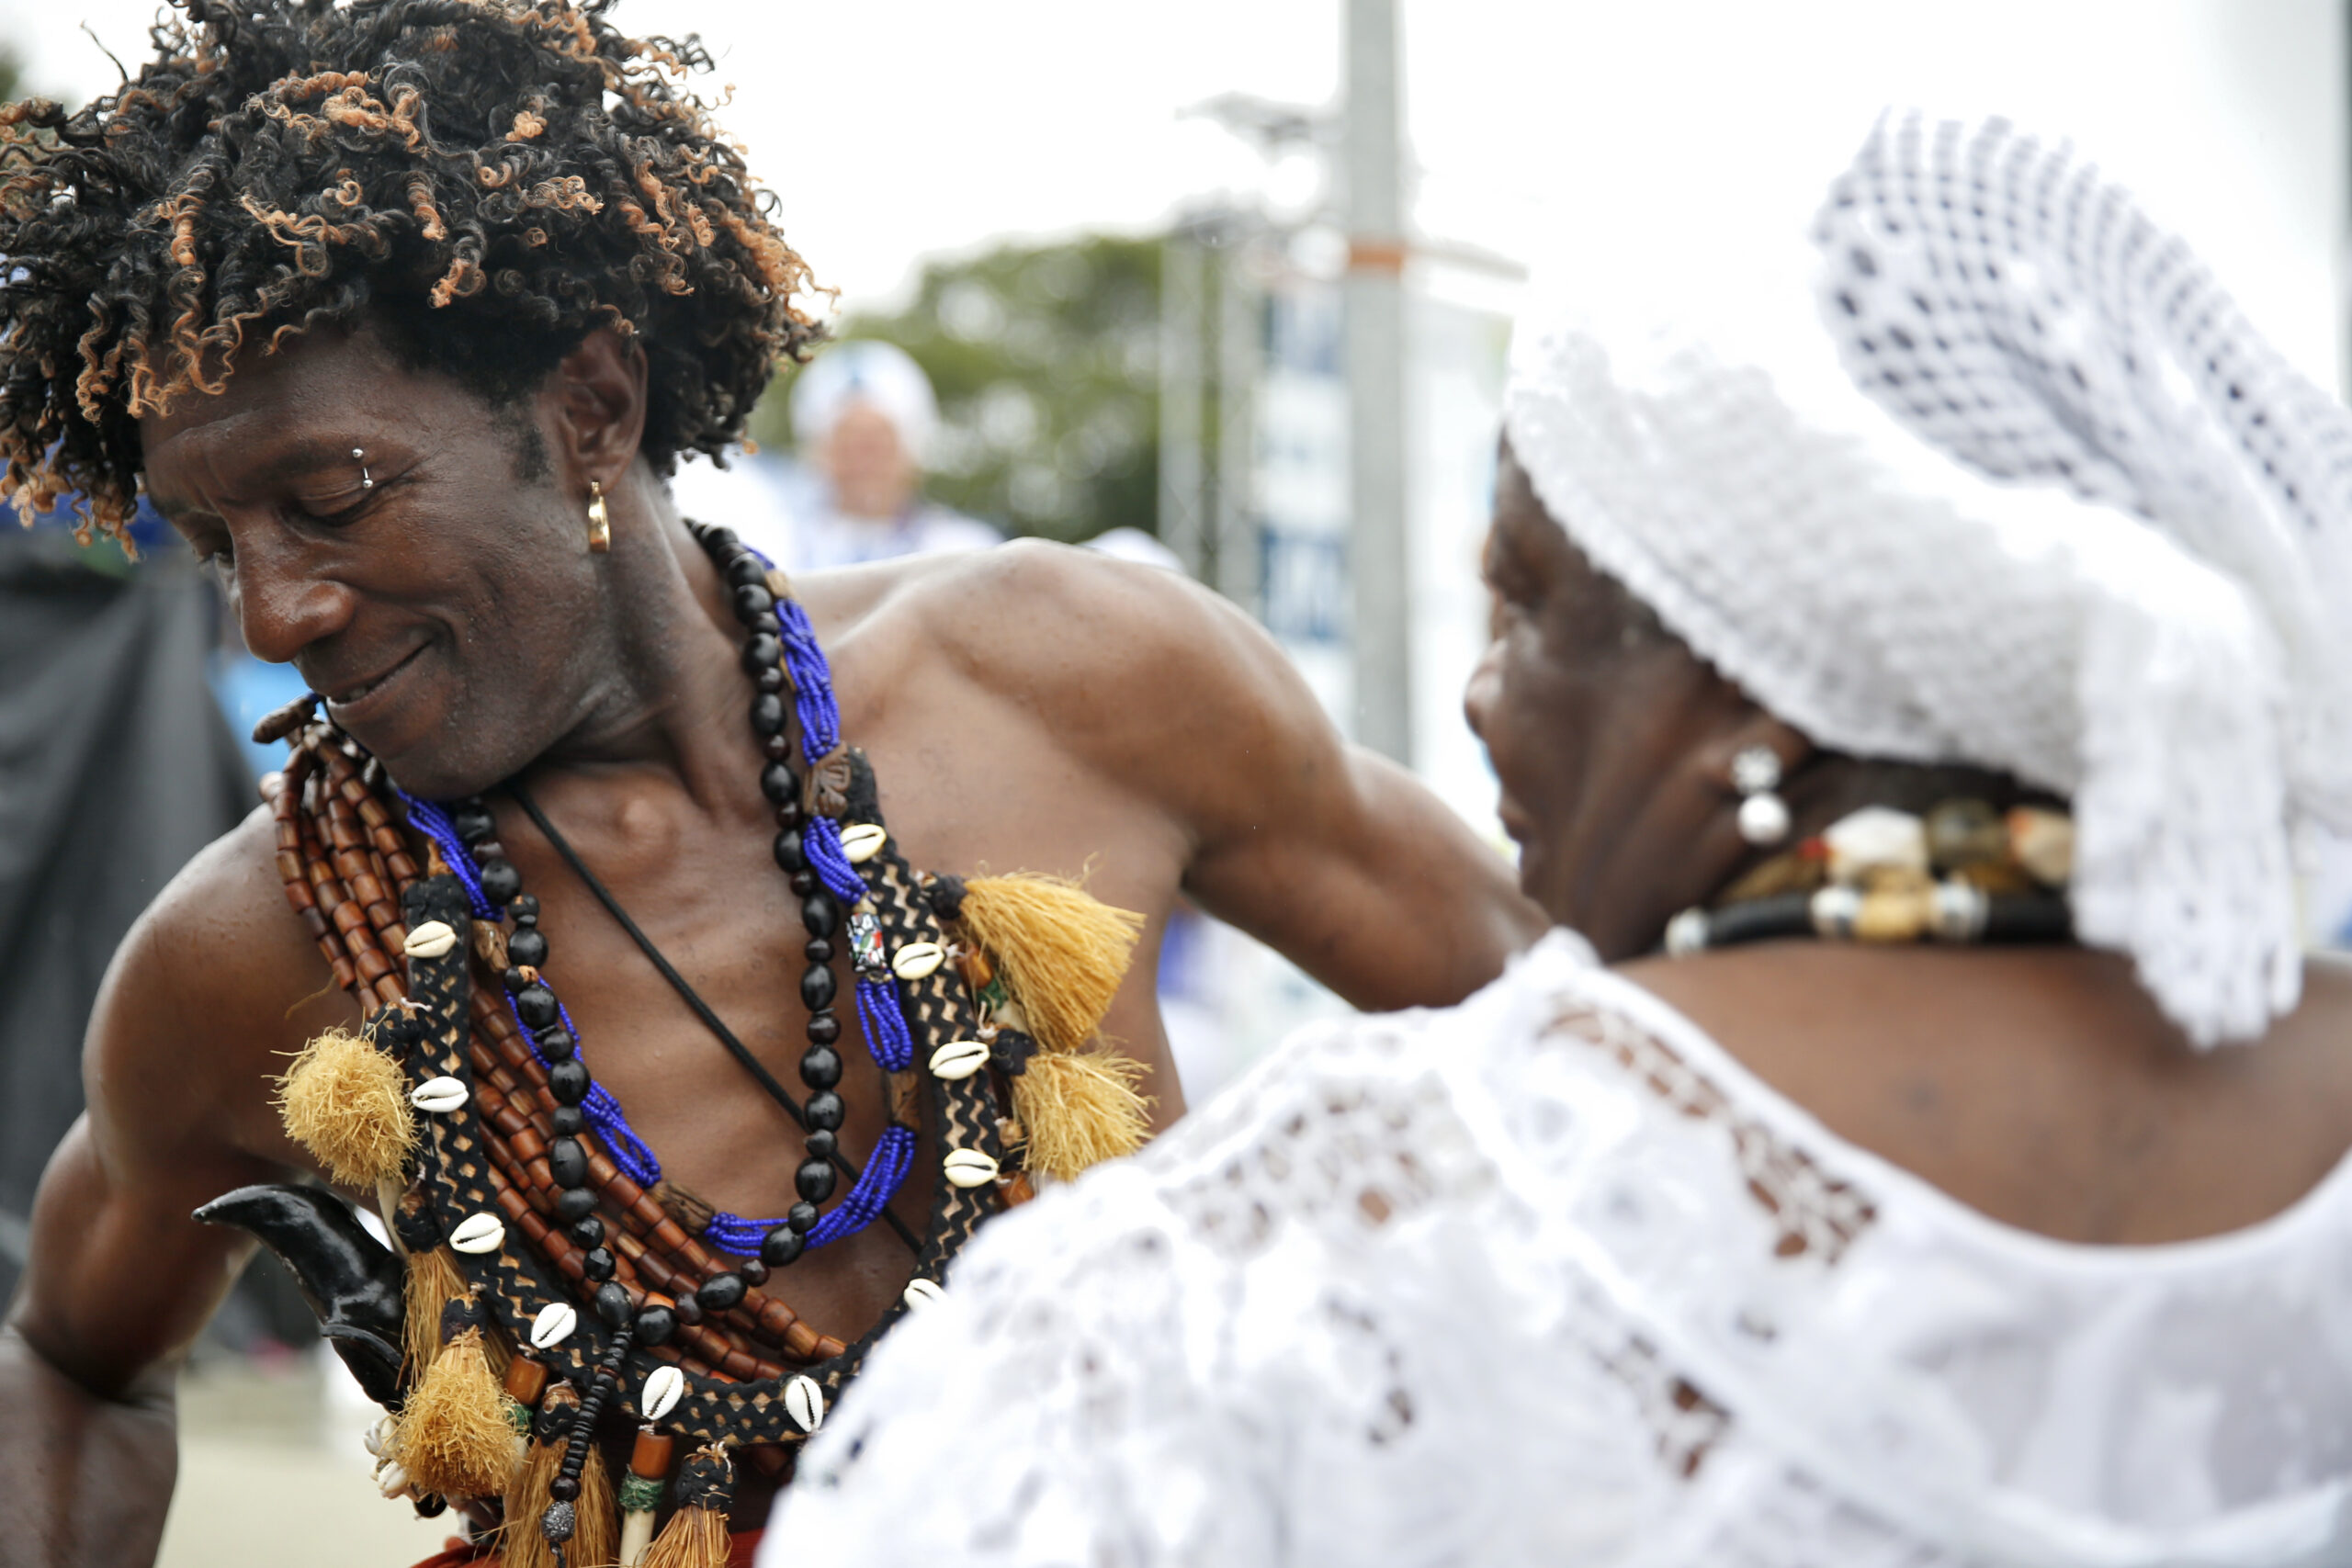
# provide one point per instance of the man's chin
(425, 765)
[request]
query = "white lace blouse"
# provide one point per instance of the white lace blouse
(1551, 1279)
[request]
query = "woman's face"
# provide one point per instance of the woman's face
(1599, 725)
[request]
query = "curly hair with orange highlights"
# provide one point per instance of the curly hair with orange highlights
(484, 182)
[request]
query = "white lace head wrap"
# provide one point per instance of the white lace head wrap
(1985, 467)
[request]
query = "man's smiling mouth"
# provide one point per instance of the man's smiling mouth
(359, 691)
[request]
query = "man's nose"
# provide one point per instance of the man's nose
(283, 609)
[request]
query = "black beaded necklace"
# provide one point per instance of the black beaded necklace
(820, 1065)
(468, 842)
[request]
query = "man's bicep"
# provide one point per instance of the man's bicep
(1344, 863)
(119, 1278)
(1383, 894)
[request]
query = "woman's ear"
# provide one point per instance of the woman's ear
(1789, 748)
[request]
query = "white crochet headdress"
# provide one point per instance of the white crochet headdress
(1985, 467)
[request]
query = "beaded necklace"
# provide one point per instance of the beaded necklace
(516, 1140)
(1963, 873)
(808, 848)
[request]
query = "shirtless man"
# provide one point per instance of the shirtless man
(373, 335)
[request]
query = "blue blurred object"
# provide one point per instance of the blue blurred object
(246, 689)
(243, 686)
(149, 531)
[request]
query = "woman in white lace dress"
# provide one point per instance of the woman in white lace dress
(1802, 1251)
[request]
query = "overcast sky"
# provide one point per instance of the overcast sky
(896, 130)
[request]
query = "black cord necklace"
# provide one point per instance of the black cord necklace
(702, 1009)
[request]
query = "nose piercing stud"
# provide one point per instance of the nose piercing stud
(360, 457)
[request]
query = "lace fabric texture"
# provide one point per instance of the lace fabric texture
(1987, 468)
(1550, 1278)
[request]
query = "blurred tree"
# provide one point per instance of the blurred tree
(1045, 359)
(11, 73)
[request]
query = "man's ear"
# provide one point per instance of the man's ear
(594, 407)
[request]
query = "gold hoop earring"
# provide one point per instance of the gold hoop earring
(600, 522)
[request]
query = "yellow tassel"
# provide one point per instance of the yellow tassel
(1079, 1110)
(1063, 950)
(695, 1536)
(520, 1544)
(345, 1101)
(595, 1535)
(455, 1436)
(433, 1283)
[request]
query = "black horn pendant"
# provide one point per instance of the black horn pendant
(351, 1280)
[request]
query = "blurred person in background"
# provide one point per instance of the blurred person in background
(586, 910)
(1922, 1141)
(864, 416)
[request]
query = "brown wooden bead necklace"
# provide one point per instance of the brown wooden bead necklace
(352, 874)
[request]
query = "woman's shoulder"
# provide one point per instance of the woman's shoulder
(2039, 1087)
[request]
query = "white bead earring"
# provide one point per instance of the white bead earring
(1763, 814)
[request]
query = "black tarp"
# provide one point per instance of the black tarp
(116, 767)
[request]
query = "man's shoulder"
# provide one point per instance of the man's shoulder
(218, 972)
(1047, 610)
(1030, 609)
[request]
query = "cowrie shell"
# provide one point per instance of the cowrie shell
(968, 1168)
(917, 960)
(438, 1095)
(863, 841)
(920, 1293)
(958, 1059)
(553, 1326)
(378, 1437)
(392, 1480)
(663, 1392)
(805, 1402)
(433, 939)
(478, 1233)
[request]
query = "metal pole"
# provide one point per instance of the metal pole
(1181, 515)
(1239, 349)
(1381, 637)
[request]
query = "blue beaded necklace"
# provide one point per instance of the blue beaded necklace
(780, 636)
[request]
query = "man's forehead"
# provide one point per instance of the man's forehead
(307, 400)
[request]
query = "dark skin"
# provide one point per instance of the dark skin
(1030, 708)
(2039, 1085)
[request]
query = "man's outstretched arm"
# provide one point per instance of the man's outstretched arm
(1335, 857)
(87, 1456)
(121, 1281)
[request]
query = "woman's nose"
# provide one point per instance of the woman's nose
(1485, 688)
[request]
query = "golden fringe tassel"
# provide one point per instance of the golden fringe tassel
(433, 1283)
(345, 1101)
(595, 1535)
(520, 1544)
(695, 1536)
(1063, 950)
(455, 1437)
(1079, 1110)
(596, 1538)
